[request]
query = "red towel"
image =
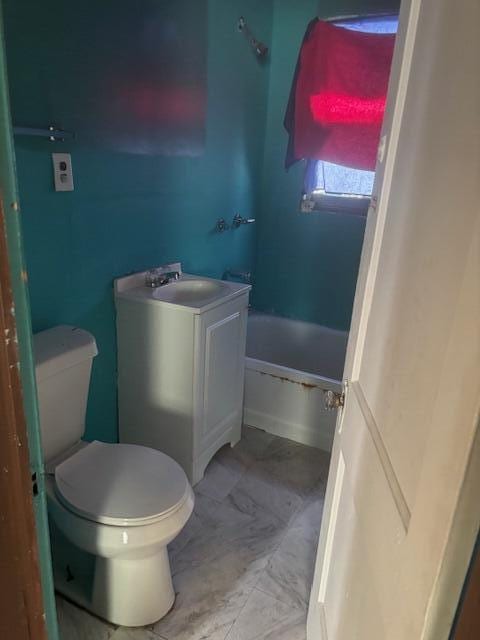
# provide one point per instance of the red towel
(338, 99)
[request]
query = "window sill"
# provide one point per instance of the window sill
(335, 205)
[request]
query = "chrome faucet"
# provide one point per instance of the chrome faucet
(238, 220)
(171, 275)
(160, 276)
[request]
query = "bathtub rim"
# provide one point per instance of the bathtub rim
(288, 374)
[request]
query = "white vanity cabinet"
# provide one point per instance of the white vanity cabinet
(181, 359)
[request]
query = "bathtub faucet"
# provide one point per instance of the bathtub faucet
(243, 276)
(238, 220)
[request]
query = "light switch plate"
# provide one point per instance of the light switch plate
(62, 171)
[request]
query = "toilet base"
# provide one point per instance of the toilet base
(121, 574)
(133, 592)
(127, 592)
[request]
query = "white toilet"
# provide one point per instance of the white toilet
(120, 503)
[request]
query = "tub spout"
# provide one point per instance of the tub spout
(243, 276)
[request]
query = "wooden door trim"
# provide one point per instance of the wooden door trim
(22, 613)
(467, 625)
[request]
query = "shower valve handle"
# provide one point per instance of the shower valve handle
(238, 220)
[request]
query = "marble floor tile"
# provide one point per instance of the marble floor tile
(293, 466)
(289, 573)
(206, 508)
(265, 618)
(250, 537)
(209, 599)
(203, 515)
(230, 463)
(77, 624)
(221, 475)
(252, 446)
(124, 633)
(216, 571)
(257, 493)
(283, 476)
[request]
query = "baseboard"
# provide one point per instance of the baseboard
(296, 432)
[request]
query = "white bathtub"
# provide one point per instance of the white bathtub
(289, 366)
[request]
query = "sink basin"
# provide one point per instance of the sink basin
(194, 292)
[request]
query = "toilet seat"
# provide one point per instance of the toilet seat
(121, 484)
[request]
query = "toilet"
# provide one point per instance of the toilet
(118, 505)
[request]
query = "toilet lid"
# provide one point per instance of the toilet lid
(121, 484)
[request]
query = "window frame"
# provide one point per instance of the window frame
(316, 201)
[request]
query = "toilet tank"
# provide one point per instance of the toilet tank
(63, 363)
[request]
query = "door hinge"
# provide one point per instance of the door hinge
(34, 485)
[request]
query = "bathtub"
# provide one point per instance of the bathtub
(289, 366)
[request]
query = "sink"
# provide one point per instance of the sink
(195, 292)
(181, 365)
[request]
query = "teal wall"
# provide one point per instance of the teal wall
(134, 208)
(129, 211)
(306, 264)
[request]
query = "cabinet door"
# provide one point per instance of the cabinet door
(223, 375)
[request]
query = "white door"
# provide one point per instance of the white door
(401, 509)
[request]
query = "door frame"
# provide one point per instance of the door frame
(29, 548)
(467, 622)
(22, 614)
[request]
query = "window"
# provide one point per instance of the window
(333, 187)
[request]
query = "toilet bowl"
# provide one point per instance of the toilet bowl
(120, 503)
